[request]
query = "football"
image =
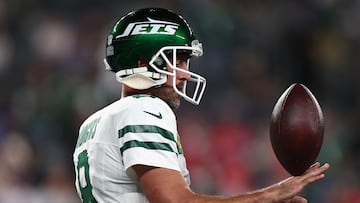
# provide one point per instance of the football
(297, 129)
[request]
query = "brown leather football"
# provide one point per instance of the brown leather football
(297, 129)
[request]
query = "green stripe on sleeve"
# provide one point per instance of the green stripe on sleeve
(146, 145)
(146, 129)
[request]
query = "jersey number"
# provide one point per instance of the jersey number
(84, 178)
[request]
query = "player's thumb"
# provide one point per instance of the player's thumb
(298, 199)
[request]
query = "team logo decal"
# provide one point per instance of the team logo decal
(150, 27)
(180, 149)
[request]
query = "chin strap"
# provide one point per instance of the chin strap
(140, 78)
(140, 70)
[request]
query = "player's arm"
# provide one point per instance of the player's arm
(166, 185)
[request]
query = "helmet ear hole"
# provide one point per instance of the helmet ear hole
(160, 63)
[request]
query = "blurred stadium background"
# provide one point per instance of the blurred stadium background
(52, 77)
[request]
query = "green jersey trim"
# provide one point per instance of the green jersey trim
(137, 96)
(146, 129)
(146, 145)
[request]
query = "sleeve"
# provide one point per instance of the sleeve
(147, 136)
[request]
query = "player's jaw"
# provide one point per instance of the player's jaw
(167, 93)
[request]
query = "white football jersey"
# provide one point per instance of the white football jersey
(138, 129)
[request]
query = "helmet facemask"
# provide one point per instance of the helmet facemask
(167, 57)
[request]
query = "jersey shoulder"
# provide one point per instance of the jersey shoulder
(144, 101)
(132, 111)
(143, 107)
(131, 104)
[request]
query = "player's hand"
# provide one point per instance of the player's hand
(297, 199)
(289, 188)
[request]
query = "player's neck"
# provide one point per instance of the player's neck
(128, 91)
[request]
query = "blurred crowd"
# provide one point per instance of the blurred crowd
(52, 78)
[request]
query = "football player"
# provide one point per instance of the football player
(130, 151)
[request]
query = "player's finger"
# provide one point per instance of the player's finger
(316, 169)
(316, 164)
(320, 169)
(312, 179)
(316, 174)
(312, 167)
(298, 199)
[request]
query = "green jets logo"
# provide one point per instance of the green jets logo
(150, 27)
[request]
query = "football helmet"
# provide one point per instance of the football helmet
(142, 49)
